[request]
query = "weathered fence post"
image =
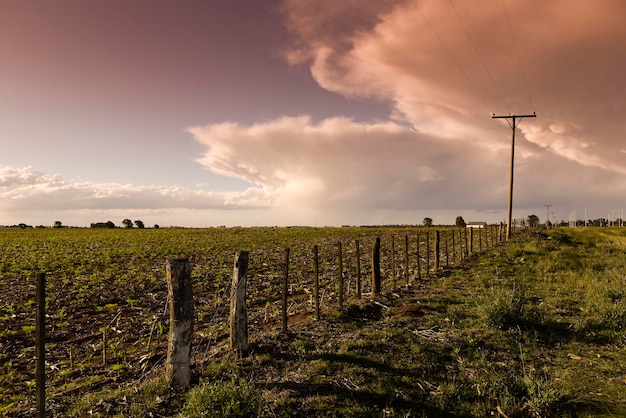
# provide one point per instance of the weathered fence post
(462, 242)
(437, 248)
(285, 286)
(419, 257)
(465, 242)
(340, 259)
(393, 262)
(480, 238)
(427, 254)
(177, 366)
(453, 248)
(376, 268)
(471, 241)
(238, 310)
(40, 344)
(358, 270)
(406, 257)
(445, 241)
(316, 282)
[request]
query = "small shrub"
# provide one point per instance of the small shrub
(501, 308)
(542, 397)
(233, 398)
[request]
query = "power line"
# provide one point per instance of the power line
(519, 61)
(480, 58)
(452, 56)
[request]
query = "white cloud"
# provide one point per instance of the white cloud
(338, 164)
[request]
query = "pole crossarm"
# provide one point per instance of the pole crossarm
(516, 118)
(534, 115)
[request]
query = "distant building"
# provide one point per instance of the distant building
(476, 225)
(108, 224)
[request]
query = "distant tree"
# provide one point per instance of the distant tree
(428, 222)
(127, 223)
(58, 224)
(109, 224)
(460, 222)
(140, 224)
(533, 221)
(156, 226)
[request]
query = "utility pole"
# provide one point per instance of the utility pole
(547, 214)
(513, 121)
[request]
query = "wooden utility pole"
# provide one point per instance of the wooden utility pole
(547, 214)
(513, 121)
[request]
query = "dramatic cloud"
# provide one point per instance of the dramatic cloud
(446, 65)
(338, 164)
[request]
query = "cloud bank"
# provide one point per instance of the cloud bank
(24, 188)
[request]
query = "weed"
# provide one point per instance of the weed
(231, 398)
(501, 307)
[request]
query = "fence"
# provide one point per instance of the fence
(326, 279)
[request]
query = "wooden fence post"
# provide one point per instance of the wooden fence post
(238, 309)
(393, 262)
(480, 238)
(316, 283)
(467, 251)
(453, 248)
(461, 252)
(419, 257)
(285, 286)
(437, 248)
(358, 269)
(40, 344)
(177, 366)
(406, 258)
(445, 241)
(471, 241)
(340, 259)
(376, 268)
(427, 254)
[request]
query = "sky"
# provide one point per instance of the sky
(310, 112)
